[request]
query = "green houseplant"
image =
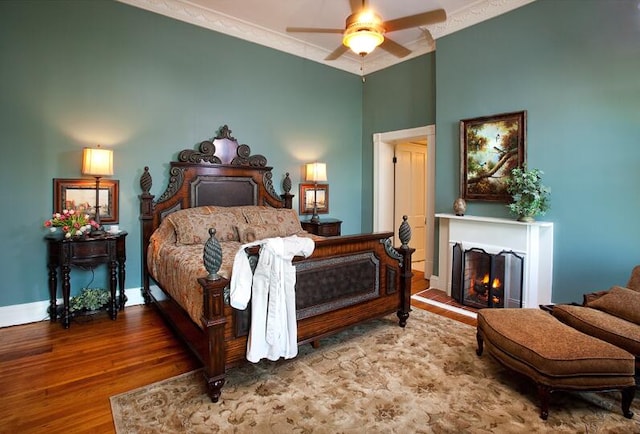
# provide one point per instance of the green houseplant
(530, 196)
(89, 299)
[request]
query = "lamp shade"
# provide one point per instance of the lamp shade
(316, 172)
(97, 162)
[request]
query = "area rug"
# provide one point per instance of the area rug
(373, 378)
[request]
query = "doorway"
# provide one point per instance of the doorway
(388, 180)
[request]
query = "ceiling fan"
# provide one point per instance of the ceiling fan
(365, 30)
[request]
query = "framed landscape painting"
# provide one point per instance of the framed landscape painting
(490, 147)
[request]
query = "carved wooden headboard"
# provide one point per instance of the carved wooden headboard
(220, 172)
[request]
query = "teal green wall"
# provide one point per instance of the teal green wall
(574, 65)
(75, 74)
(80, 73)
(395, 98)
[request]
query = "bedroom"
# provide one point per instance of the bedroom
(146, 85)
(77, 73)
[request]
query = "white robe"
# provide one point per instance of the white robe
(274, 329)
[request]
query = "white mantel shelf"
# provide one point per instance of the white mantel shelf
(492, 220)
(533, 240)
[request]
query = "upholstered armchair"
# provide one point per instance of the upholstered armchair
(612, 315)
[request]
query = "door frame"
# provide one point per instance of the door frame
(383, 183)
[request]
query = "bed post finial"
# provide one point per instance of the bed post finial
(286, 183)
(287, 196)
(212, 255)
(404, 232)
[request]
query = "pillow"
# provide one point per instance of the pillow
(634, 280)
(249, 232)
(193, 227)
(621, 302)
(252, 214)
(284, 218)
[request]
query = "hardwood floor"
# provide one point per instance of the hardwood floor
(58, 380)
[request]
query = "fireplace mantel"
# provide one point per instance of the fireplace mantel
(533, 240)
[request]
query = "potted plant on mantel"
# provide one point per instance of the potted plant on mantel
(530, 196)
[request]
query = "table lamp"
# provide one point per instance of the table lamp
(97, 162)
(315, 172)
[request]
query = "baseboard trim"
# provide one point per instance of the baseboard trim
(26, 313)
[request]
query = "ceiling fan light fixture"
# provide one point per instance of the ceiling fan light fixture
(362, 42)
(364, 32)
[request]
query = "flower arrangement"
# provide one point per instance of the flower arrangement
(71, 222)
(530, 197)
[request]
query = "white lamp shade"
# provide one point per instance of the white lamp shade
(316, 172)
(97, 162)
(363, 42)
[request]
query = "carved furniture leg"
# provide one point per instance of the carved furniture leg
(66, 292)
(214, 387)
(405, 285)
(544, 393)
(53, 289)
(480, 341)
(627, 396)
(113, 309)
(214, 322)
(122, 299)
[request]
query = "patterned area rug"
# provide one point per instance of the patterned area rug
(372, 378)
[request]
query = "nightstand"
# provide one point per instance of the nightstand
(109, 249)
(324, 227)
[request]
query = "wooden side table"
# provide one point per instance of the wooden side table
(65, 253)
(324, 227)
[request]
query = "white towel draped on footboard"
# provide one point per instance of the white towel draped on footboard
(271, 289)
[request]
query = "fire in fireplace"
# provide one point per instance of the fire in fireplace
(482, 279)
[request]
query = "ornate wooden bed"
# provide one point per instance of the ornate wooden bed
(347, 279)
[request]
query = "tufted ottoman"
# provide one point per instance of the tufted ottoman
(554, 355)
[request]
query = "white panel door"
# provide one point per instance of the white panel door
(411, 193)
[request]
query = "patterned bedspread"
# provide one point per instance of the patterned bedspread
(176, 267)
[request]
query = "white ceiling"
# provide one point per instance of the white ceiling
(264, 22)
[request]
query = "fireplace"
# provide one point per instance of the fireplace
(481, 279)
(522, 251)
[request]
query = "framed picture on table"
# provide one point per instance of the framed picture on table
(80, 195)
(310, 193)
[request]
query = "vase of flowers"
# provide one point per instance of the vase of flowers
(71, 223)
(530, 196)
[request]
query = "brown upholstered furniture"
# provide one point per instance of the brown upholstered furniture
(554, 355)
(612, 315)
(347, 279)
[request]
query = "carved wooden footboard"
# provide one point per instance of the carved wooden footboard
(347, 279)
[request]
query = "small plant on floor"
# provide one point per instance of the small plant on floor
(89, 299)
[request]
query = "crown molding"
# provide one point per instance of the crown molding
(185, 11)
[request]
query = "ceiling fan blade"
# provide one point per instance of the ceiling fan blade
(312, 30)
(337, 52)
(431, 17)
(394, 48)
